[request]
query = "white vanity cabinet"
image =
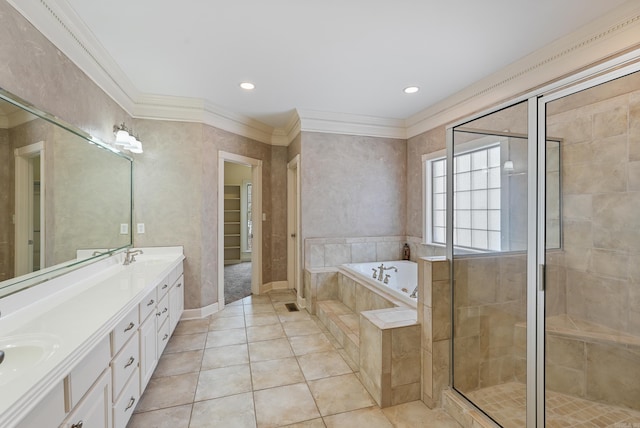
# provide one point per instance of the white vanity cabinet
(111, 362)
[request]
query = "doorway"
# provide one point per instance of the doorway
(239, 226)
(29, 209)
(238, 234)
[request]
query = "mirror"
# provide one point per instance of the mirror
(64, 194)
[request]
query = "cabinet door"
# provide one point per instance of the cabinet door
(148, 351)
(49, 412)
(176, 303)
(94, 410)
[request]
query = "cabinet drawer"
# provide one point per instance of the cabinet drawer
(163, 337)
(124, 331)
(124, 364)
(148, 304)
(123, 408)
(86, 372)
(163, 287)
(95, 408)
(162, 310)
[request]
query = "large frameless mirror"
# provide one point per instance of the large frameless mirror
(64, 195)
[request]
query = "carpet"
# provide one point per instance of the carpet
(237, 282)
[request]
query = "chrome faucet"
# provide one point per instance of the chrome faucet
(130, 256)
(381, 275)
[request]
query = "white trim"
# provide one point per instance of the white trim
(294, 251)
(256, 254)
(608, 35)
(23, 204)
(604, 37)
(351, 124)
(274, 285)
(194, 314)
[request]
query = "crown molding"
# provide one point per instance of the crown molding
(59, 23)
(613, 33)
(351, 124)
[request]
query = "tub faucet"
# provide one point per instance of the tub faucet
(382, 269)
(130, 256)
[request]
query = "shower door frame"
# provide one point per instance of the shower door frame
(536, 213)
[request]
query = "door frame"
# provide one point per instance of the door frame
(23, 216)
(256, 217)
(294, 251)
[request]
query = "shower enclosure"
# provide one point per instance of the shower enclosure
(544, 236)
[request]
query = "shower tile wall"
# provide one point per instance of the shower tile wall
(598, 274)
(601, 201)
(490, 300)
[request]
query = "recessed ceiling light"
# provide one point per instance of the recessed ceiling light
(247, 85)
(411, 89)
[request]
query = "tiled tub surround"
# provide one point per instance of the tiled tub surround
(361, 316)
(77, 311)
(434, 315)
(323, 256)
(390, 355)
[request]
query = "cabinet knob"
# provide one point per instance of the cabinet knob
(179, 285)
(78, 424)
(165, 336)
(164, 310)
(130, 326)
(165, 286)
(151, 302)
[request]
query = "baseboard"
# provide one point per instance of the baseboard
(199, 313)
(274, 285)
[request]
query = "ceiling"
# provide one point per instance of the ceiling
(338, 56)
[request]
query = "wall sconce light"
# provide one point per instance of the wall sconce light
(126, 139)
(508, 166)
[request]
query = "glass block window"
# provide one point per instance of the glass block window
(476, 199)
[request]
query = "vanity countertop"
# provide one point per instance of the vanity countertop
(65, 325)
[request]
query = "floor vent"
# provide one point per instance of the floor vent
(291, 307)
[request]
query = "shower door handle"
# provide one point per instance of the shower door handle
(541, 274)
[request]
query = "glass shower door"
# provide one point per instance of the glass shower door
(592, 331)
(490, 255)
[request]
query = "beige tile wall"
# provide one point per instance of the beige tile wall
(600, 128)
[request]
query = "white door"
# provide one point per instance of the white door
(294, 272)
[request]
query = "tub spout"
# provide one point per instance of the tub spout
(382, 269)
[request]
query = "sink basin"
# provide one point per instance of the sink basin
(24, 352)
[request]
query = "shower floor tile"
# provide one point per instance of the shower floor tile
(506, 404)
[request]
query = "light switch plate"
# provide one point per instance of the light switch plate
(140, 227)
(124, 228)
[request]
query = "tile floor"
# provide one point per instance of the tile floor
(506, 404)
(255, 364)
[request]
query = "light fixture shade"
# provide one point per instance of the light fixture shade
(508, 166)
(122, 137)
(136, 147)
